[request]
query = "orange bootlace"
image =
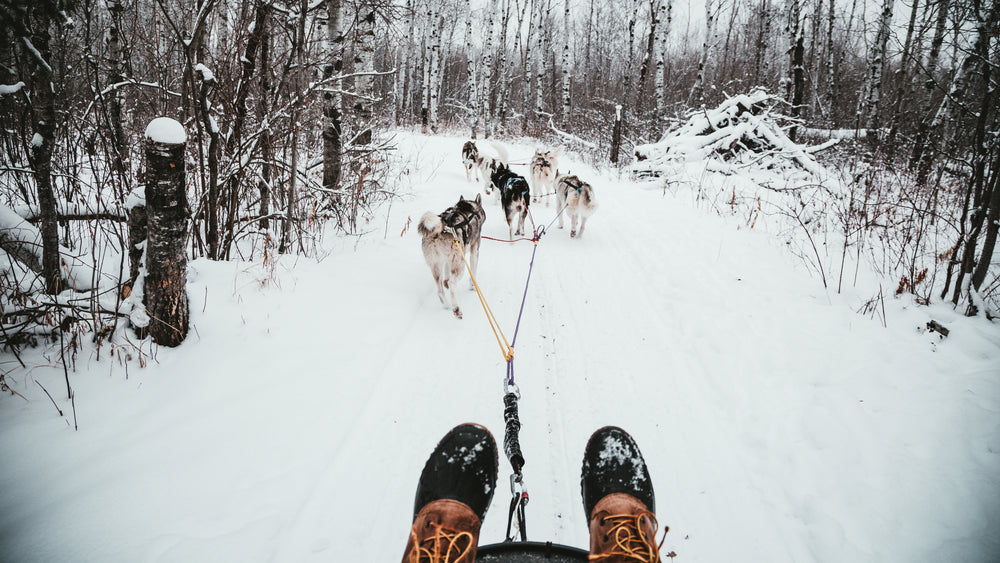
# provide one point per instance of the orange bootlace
(446, 545)
(630, 540)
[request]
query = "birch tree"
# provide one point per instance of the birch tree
(621, 110)
(115, 75)
(333, 144)
(875, 70)
(796, 78)
(565, 67)
(664, 16)
(434, 77)
(930, 67)
(488, 71)
(298, 53)
(698, 89)
(364, 63)
(471, 71)
(540, 56)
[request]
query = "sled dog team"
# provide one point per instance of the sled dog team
(463, 222)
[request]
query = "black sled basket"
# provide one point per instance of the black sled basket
(529, 552)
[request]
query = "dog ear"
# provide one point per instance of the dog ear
(461, 198)
(479, 198)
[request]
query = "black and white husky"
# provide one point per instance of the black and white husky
(578, 197)
(462, 222)
(483, 164)
(544, 168)
(470, 160)
(514, 196)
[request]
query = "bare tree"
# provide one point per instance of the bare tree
(565, 67)
(471, 71)
(364, 64)
(333, 143)
(698, 89)
(874, 87)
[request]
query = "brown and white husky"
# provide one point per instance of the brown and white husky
(543, 169)
(578, 197)
(462, 222)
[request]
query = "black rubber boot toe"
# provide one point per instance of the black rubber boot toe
(612, 463)
(462, 467)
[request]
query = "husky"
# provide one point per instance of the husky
(544, 168)
(514, 196)
(578, 197)
(486, 165)
(462, 222)
(470, 160)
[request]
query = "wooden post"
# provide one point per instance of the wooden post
(616, 135)
(165, 297)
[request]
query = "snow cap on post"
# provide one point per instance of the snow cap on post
(166, 131)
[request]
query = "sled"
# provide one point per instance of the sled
(529, 552)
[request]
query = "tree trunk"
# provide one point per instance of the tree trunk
(902, 78)
(981, 189)
(470, 70)
(665, 9)
(364, 61)
(529, 57)
(298, 53)
(697, 93)
(43, 142)
(437, 26)
(798, 72)
(403, 102)
(209, 123)
(115, 74)
(488, 70)
(540, 56)
(565, 68)
(425, 70)
(923, 127)
(164, 292)
(877, 66)
(332, 102)
(830, 65)
(620, 110)
(266, 150)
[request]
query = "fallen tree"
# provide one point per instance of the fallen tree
(744, 132)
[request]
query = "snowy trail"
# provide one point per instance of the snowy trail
(778, 424)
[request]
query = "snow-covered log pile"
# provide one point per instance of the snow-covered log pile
(742, 135)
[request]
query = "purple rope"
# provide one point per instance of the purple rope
(538, 236)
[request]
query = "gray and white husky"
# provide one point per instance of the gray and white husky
(462, 222)
(578, 197)
(543, 169)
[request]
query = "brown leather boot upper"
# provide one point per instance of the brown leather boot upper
(444, 531)
(623, 530)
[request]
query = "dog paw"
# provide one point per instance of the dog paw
(458, 312)
(572, 234)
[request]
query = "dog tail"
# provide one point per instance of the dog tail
(502, 152)
(430, 224)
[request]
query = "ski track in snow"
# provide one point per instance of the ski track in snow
(778, 424)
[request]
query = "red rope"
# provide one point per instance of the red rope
(508, 240)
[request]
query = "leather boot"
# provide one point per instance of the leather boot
(453, 494)
(618, 499)
(623, 530)
(444, 531)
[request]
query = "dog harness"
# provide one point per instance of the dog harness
(448, 218)
(578, 187)
(514, 179)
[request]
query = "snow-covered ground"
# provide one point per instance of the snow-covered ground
(779, 424)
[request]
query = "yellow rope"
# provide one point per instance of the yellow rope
(505, 349)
